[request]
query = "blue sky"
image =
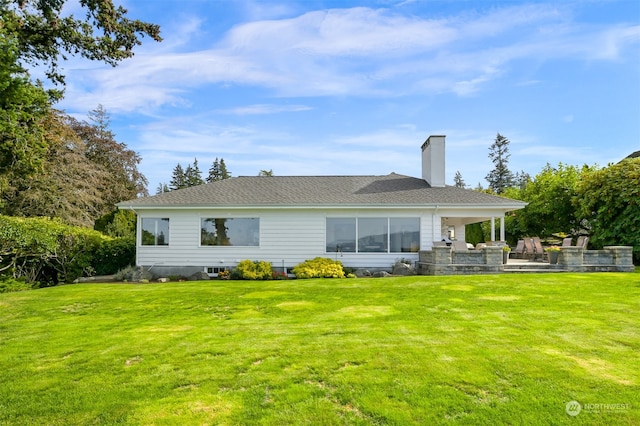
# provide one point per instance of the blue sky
(356, 87)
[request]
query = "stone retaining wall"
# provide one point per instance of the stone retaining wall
(488, 260)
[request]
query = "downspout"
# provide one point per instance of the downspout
(433, 226)
(137, 227)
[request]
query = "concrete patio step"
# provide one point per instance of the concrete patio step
(524, 266)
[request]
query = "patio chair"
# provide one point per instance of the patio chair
(459, 246)
(582, 242)
(539, 251)
(439, 244)
(529, 251)
(567, 242)
(518, 252)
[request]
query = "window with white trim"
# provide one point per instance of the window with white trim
(373, 234)
(155, 231)
(229, 231)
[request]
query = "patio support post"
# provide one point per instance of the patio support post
(493, 228)
(502, 231)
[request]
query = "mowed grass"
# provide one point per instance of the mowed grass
(497, 349)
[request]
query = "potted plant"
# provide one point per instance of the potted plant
(505, 254)
(553, 252)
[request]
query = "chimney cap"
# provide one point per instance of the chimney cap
(428, 141)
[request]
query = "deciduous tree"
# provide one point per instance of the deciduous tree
(550, 196)
(609, 200)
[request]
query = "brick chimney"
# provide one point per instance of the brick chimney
(433, 161)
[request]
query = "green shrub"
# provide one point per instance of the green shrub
(47, 251)
(113, 255)
(252, 270)
(9, 284)
(319, 267)
(44, 250)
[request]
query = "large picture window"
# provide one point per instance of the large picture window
(155, 231)
(341, 234)
(404, 234)
(230, 232)
(373, 234)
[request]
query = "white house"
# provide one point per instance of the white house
(363, 221)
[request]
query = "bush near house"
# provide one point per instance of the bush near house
(45, 252)
(320, 267)
(252, 270)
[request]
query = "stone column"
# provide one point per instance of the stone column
(493, 256)
(441, 255)
(622, 258)
(571, 259)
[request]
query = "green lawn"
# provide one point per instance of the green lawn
(497, 349)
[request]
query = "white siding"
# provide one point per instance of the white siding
(291, 236)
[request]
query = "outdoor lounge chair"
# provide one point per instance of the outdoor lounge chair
(582, 242)
(567, 242)
(459, 246)
(518, 252)
(529, 251)
(539, 251)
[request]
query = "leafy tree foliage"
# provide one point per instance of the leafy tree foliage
(84, 174)
(117, 224)
(550, 196)
(43, 35)
(23, 107)
(609, 200)
(102, 149)
(266, 172)
(46, 169)
(500, 178)
(218, 171)
(65, 187)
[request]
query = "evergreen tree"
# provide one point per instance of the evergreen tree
(218, 171)
(179, 179)
(500, 178)
(266, 172)
(193, 175)
(161, 188)
(458, 181)
(522, 179)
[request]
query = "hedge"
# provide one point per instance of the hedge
(47, 251)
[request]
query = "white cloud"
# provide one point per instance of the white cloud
(259, 109)
(356, 51)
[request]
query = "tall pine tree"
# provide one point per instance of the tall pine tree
(218, 171)
(178, 179)
(458, 181)
(500, 178)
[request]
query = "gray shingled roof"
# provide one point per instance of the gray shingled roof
(392, 189)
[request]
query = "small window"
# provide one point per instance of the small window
(155, 231)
